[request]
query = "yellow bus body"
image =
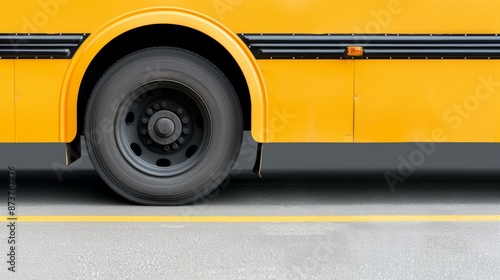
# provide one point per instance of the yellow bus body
(292, 100)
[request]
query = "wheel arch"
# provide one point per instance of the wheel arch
(98, 40)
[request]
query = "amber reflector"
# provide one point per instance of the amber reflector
(355, 51)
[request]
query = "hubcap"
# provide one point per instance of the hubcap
(164, 127)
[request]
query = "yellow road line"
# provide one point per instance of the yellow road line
(253, 219)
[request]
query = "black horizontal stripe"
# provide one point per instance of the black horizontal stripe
(42, 46)
(376, 46)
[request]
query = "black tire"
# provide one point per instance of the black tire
(163, 127)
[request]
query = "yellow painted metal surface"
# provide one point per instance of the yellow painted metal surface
(7, 127)
(427, 100)
(309, 100)
(38, 87)
(429, 86)
(264, 16)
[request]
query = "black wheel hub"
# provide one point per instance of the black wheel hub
(163, 128)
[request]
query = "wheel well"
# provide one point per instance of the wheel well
(163, 35)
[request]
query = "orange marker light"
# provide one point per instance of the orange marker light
(355, 51)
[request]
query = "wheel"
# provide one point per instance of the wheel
(163, 126)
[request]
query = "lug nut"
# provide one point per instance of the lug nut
(144, 131)
(185, 120)
(164, 105)
(175, 146)
(180, 111)
(185, 131)
(156, 106)
(145, 121)
(181, 140)
(166, 148)
(150, 142)
(149, 112)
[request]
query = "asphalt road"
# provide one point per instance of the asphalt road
(243, 249)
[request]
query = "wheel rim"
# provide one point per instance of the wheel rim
(163, 128)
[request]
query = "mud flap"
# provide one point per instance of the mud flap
(258, 161)
(73, 151)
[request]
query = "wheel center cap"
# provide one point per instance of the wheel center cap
(164, 127)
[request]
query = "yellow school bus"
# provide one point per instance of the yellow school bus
(162, 90)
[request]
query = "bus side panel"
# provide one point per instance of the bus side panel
(309, 100)
(263, 16)
(38, 89)
(7, 125)
(427, 100)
